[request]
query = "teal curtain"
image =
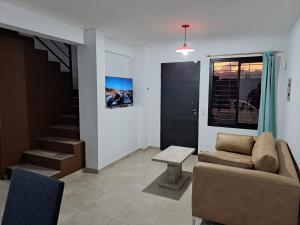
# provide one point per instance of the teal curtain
(267, 112)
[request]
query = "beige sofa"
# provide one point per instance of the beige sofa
(246, 181)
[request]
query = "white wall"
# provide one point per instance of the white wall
(140, 67)
(90, 64)
(109, 133)
(290, 116)
(25, 21)
(165, 52)
(118, 126)
(123, 130)
(116, 47)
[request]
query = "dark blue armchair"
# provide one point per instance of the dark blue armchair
(32, 199)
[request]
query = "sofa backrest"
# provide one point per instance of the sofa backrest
(286, 165)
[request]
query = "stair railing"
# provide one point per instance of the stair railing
(68, 63)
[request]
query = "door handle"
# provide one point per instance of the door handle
(194, 111)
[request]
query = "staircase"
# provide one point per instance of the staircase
(61, 152)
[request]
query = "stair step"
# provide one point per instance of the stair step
(70, 116)
(69, 119)
(65, 145)
(75, 100)
(65, 131)
(36, 169)
(75, 93)
(61, 140)
(65, 127)
(46, 158)
(74, 109)
(48, 154)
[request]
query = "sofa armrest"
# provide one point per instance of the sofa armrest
(236, 196)
(209, 157)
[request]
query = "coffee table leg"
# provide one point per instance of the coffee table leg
(174, 173)
(173, 178)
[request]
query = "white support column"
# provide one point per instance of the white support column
(91, 69)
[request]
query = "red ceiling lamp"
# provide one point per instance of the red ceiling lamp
(185, 50)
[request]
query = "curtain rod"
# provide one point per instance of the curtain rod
(237, 54)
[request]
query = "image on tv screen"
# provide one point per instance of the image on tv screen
(118, 91)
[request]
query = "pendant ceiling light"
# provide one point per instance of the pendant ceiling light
(185, 50)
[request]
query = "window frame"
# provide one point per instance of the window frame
(251, 59)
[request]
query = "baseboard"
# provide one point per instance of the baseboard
(196, 221)
(90, 170)
(153, 147)
(97, 171)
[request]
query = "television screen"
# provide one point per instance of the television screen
(118, 91)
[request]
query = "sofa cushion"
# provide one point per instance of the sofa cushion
(235, 143)
(264, 154)
(226, 159)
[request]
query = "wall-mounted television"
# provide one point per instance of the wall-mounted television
(118, 92)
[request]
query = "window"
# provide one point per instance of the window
(235, 92)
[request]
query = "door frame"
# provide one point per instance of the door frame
(198, 100)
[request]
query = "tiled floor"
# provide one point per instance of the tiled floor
(115, 197)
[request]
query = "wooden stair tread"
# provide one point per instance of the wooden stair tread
(36, 169)
(48, 154)
(70, 116)
(65, 127)
(61, 140)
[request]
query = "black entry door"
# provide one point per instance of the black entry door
(179, 104)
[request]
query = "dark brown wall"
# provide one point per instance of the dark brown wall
(33, 92)
(49, 92)
(13, 106)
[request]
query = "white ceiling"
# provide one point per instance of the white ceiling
(146, 21)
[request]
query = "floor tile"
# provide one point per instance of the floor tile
(67, 212)
(109, 205)
(86, 218)
(156, 200)
(180, 207)
(1, 214)
(140, 214)
(81, 198)
(117, 223)
(107, 181)
(130, 191)
(174, 218)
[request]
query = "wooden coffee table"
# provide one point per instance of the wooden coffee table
(174, 156)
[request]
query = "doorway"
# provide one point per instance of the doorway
(179, 104)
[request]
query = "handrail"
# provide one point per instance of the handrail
(70, 58)
(50, 50)
(59, 48)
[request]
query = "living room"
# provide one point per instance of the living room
(171, 65)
